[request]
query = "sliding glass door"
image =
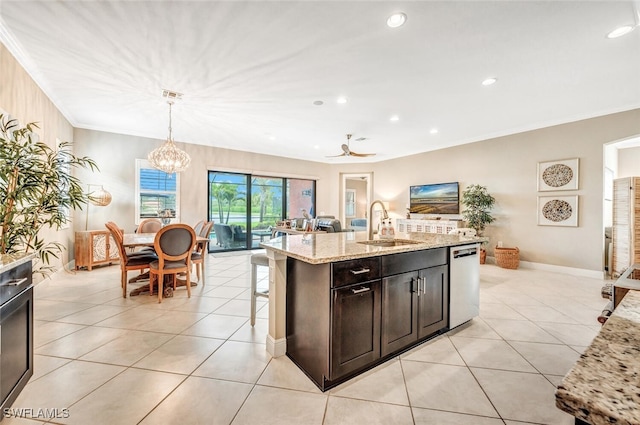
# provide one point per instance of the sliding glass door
(245, 207)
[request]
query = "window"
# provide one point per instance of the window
(157, 193)
(350, 203)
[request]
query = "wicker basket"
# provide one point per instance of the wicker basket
(507, 258)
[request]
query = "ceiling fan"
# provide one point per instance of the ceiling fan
(348, 152)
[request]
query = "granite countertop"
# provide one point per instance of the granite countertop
(10, 261)
(329, 247)
(603, 387)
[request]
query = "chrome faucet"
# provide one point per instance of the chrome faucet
(384, 216)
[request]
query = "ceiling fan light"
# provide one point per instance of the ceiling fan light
(396, 20)
(620, 31)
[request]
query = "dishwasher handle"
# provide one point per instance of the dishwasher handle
(460, 253)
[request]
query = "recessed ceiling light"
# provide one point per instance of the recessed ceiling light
(316, 146)
(341, 99)
(272, 137)
(396, 20)
(489, 81)
(620, 31)
(433, 131)
(318, 102)
(394, 118)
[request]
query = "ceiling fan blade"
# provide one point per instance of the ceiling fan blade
(335, 156)
(362, 154)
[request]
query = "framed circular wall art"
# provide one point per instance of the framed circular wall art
(558, 211)
(558, 175)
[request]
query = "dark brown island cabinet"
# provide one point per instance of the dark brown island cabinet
(345, 317)
(16, 328)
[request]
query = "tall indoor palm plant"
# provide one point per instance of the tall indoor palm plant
(37, 190)
(478, 204)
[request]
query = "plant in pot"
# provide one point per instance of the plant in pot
(37, 190)
(478, 204)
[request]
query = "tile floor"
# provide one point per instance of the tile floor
(110, 360)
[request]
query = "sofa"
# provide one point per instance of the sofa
(329, 225)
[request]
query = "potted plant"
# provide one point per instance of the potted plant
(478, 204)
(37, 191)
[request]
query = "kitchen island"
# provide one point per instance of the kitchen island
(339, 304)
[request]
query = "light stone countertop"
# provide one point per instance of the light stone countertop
(322, 248)
(10, 261)
(603, 387)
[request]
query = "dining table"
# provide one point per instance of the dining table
(135, 240)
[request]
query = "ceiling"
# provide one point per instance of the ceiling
(250, 71)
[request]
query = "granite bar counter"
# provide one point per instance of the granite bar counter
(325, 248)
(603, 387)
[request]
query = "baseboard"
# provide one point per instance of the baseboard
(275, 347)
(593, 274)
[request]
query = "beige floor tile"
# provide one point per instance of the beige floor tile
(499, 311)
(384, 383)
(550, 359)
(437, 417)
(522, 396)
(545, 314)
(236, 307)
(46, 332)
(65, 385)
(228, 292)
(426, 387)
(300, 408)
(127, 348)
(475, 328)
(131, 319)
(216, 326)
(172, 322)
(126, 399)
(437, 350)
(201, 304)
(521, 330)
(571, 334)
(182, 354)
(80, 343)
(53, 310)
(45, 364)
(235, 361)
(256, 334)
(187, 405)
(491, 354)
(93, 315)
(343, 411)
(281, 372)
(554, 379)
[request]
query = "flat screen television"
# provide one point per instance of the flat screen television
(439, 198)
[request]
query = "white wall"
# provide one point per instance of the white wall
(628, 162)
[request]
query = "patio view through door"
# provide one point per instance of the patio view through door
(245, 207)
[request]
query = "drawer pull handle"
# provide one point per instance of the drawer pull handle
(356, 272)
(14, 282)
(361, 290)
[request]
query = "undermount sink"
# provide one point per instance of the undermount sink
(389, 242)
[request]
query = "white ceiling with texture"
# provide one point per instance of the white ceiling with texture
(251, 70)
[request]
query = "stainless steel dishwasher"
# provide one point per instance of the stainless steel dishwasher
(464, 284)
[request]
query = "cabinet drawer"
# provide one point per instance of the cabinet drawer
(354, 271)
(414, 260)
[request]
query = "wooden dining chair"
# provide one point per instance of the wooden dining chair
(173, 244)
(198, 227)
(128, 261)
(149, 225)
(197, 256)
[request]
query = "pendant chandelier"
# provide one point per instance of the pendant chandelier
(168, 157)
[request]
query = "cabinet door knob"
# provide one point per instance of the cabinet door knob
(14, 282)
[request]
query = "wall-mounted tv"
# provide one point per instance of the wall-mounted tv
(439, 198)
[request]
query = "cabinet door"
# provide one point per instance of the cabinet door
(355, 327)
(99, 243)
(113, 249)
(399, 311)
(433, 301)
